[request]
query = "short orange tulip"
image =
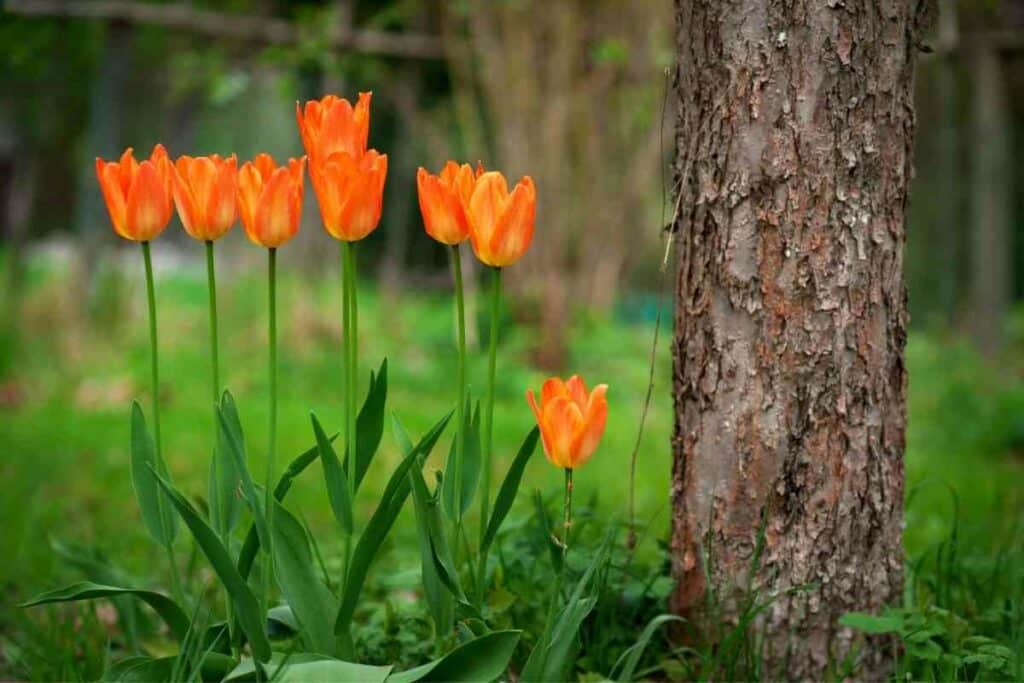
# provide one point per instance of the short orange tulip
(270, 199)
(331, 125)
(500, 223)
(350, 192)
(571, 420)
(206, 193)
(137, 195)
(443, 198)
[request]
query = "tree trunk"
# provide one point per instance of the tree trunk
(794, 139)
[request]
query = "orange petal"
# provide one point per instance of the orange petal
(443, 215)
(595, 417)
(110, 185)
(222, 204)
(486, 206)
(514, 230)
(250, 185)
(538, 414)
(577, 391)
(564, 421)
(552, 388)
(184, 198)
(272, 224)
(146, 212)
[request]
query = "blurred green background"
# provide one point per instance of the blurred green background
(570, 92)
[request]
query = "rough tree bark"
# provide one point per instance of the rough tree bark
(794, 139)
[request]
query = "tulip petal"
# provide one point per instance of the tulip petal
(486, 206)
(183, 197)
(577, 391)
(513, 231)
(552, 388)
(146, 210)
(113, 196)
(595, 418)
(564, 422)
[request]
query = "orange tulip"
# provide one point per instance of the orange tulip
(571, 421)
(500, 223)
(350, 192)
(270, 199)
(137, 195)
(330, 125)
(443, 198)
(205, 191)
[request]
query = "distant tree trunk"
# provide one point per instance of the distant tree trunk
(946, 248)
(991, 182)
(794, 140)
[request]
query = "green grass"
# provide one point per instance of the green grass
(71, 370)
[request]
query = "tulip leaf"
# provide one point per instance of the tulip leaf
(247, 608)
(311, 601)
(439, 598)
(176, 619)
(214, 667)
(553, 654)
(470, 465)
(383, 518)
(334, 476)
(160, 521)
(251, 545)
(370, 423)
(224, 475)
(484, 658)
(304, 666)
(235, 445)
(509, 488)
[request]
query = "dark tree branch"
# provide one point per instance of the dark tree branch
(225, 25)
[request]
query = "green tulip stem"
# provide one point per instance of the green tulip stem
(488, 428)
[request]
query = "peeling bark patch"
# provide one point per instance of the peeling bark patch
(794, 138)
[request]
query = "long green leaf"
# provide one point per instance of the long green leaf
(555, 650)
(391, 502)
(236, 449)
(509, 488)
(214, 667)
(482, 659)
(625, 667)
(304, 666)
(370, 423)
(176, 619)
(334, 477)
(439, 598)
(311, 601)
(247, 608)
(224, 476)
(470, 465)
(251, 546)
(160, 522)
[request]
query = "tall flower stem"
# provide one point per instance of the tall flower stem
(155, 368)
(211, 281)
(351, 337)
(272, 444)
(567, 510)
(211, 284)
(488, 426)
(460, 410)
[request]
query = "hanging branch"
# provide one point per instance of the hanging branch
(228, 25)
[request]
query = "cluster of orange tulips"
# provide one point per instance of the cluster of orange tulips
(460, 203)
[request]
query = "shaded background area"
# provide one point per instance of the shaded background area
(570, 92)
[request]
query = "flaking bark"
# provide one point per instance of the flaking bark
(793, 159)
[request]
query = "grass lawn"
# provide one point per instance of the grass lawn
(69, 375)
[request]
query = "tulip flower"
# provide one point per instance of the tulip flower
(270, 199)
(138, 199)
(443, 198)
(350, 191)
(205, 191)
(137, 195)
(270, 203)
(331, 125)
(501, 223)
(571, 420)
